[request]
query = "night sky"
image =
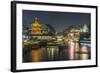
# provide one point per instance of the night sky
(59, 20)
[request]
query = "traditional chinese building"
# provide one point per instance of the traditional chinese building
(84, 28)
(40, 31)
(36, 27)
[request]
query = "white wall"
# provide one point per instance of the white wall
(5, 36)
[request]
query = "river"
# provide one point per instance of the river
(72, 51)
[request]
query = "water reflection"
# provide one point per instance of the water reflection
(36, 55)
(73, 51)
(52, 53)
(85, 53)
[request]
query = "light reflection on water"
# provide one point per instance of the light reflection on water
(36, 55)
(73, 51)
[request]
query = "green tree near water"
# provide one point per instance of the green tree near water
(51, 29)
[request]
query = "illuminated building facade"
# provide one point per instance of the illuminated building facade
(40, 31)
(36, 27)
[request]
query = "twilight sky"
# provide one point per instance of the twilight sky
(59, 20)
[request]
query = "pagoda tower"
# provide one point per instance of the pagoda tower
(36, 27)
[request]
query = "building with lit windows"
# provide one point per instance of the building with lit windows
(40, 31)
(84, 28)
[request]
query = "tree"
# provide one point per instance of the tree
(51, 29)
